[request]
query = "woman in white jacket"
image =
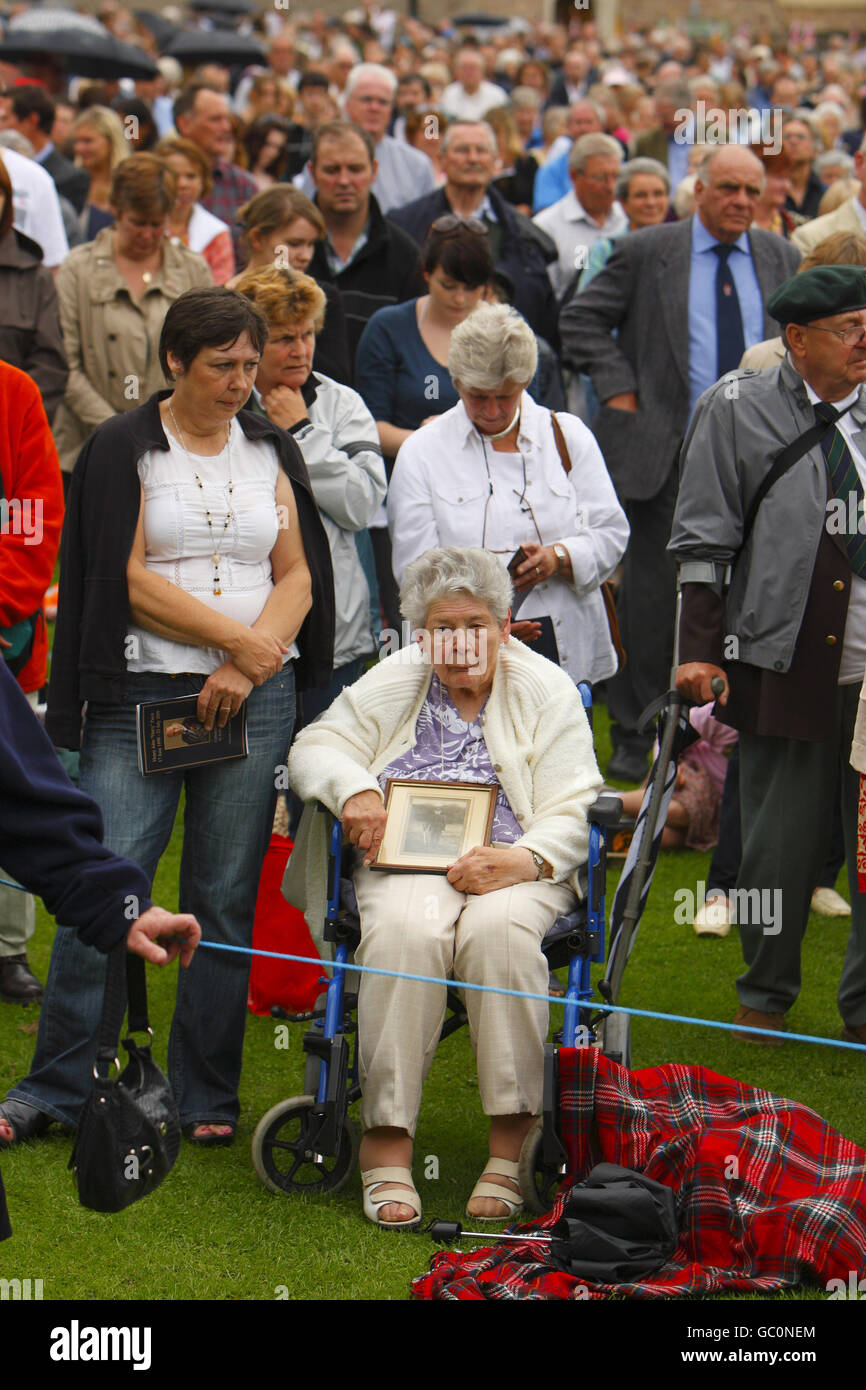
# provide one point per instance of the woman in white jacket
(466, 705)
(489, 473)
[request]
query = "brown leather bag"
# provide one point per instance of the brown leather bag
(607, 589)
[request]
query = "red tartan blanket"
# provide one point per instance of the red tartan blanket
(768, 1195)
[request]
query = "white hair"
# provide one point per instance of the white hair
(455, 569)
(449, 136)
(371, 70)
(588, 146)
(493, 344)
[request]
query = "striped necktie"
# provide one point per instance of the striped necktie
(844, 481)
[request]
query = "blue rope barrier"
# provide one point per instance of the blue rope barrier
(523, 994)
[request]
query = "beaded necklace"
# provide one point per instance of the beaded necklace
(219, 540)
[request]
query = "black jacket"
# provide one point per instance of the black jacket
(93, 618)
(30, 336)
(387, 270)
(72, 182)
(524, 253)
(51, 833)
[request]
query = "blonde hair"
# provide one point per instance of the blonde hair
(108, 124)
(284, 296)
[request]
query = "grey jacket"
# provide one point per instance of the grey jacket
(643, 294)
(736, 430)
(340, 445)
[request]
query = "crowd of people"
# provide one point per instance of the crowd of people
(422, 322)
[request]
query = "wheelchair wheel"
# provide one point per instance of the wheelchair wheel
(539, 1184)
(284, 1155)
(616, 1039)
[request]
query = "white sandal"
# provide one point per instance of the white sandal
(384, 1179)
(488, 1186)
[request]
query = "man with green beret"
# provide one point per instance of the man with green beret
(773, 582)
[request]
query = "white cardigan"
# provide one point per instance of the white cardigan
(536, 732)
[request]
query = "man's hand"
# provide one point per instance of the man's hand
(694, 680)
(488, 867)
(363, 820)
(627, 400)
(181, 930)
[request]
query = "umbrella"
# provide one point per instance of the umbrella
(78, 42)
(162, 29)
(216, 46)
(223, 6)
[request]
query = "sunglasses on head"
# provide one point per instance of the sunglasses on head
(453, 222)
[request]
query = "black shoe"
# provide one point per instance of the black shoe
(18, 984)
(627, 765)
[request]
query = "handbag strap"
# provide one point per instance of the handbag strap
(561, 446)
(124, 984)
(785, 460)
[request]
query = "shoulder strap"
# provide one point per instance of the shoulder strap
(125, 982)
(785, 460)
(561, 446)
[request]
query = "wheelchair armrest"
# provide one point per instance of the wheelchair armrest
(605, 810)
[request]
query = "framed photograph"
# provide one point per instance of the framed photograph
(430, 824)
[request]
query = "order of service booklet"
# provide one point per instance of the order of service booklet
(171, 737)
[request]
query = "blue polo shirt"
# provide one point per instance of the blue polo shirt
(702, 304)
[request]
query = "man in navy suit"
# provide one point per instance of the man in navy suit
(671, 312)
(29, 110)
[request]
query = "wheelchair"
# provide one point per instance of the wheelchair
(309, 1143)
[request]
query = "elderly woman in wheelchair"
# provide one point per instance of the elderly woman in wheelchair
(466, 703)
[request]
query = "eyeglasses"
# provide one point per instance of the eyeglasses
(600, 178)
(849, 336)
(452, 222)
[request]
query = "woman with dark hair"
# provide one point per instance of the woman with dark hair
(402, 365)
(139, 127)
(281, 227)
(266, 143)
(30, 335)
(114, 294)
(193, 564)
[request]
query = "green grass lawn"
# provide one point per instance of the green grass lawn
(214, 1232)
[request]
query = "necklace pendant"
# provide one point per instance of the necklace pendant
(216, 587)
(215, 560)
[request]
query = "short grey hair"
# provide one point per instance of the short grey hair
(493, 344)
(641, 165)
(590, 145)
(834, 159)
(451, 134)
(367, 70)
(450, 570)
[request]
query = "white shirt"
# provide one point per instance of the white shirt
(853, 663)
(180, 545)
(203, 226)
(574, 232)
(449, 487)
(36, 205)
(460, 105)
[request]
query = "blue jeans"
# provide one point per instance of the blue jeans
(227, 823)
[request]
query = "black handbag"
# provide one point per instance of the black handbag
(129, 1131)
(616, 1226)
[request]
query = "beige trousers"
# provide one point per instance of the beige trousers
(420, 925)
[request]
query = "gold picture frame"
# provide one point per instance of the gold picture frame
(431, 824)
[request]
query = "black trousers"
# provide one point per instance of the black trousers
(646, 604)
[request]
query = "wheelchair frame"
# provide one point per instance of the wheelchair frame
(315, 1128)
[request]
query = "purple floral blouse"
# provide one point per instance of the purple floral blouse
(448, 749)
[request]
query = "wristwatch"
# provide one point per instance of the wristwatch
(561, 557)
(539, 862)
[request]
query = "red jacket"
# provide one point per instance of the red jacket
(31, 513)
